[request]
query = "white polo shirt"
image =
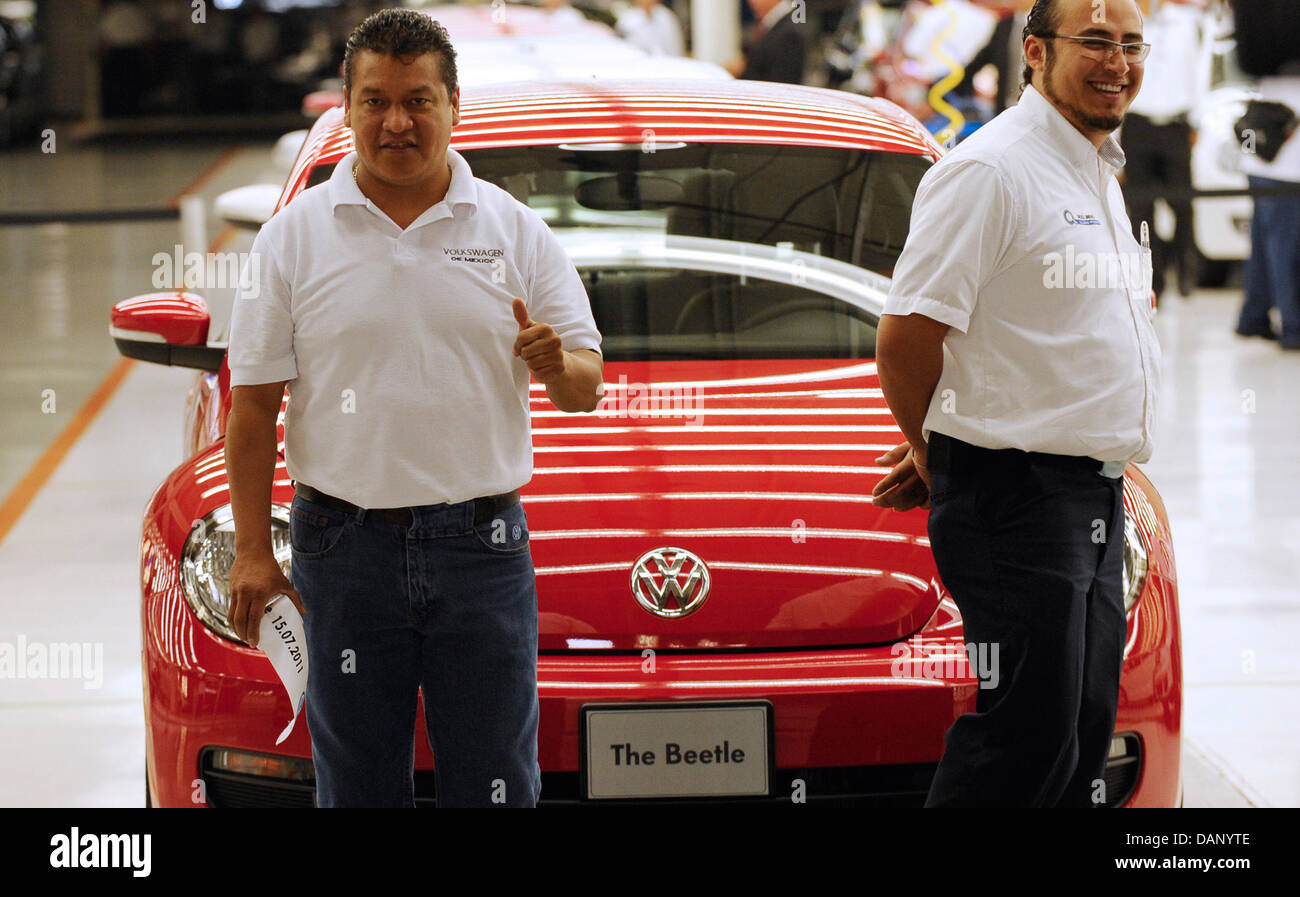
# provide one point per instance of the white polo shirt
(398, 343)
(1019, 241)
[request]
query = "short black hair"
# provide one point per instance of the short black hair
(405, 34)
(1044, 19)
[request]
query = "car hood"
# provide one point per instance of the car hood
(761, 470)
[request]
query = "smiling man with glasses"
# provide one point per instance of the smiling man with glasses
(1018, 357)
(1083, 75)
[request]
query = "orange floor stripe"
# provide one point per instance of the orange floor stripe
(17, 501)
(26, 490)
(205, 175)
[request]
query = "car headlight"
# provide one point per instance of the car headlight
(207, 557)
(1135, 562)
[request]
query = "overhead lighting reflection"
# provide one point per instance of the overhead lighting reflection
(814, 376)
(702, 496)
(719, 447)
(691, 412)
(715, 468)
(685, 426)
(723, 565)
(782, 532)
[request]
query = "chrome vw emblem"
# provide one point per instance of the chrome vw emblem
(670, 582)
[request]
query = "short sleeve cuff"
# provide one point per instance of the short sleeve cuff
(931, 308)
(257, 374)
(580, 338)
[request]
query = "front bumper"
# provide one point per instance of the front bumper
(848, 730)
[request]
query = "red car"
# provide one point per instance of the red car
(724, 615)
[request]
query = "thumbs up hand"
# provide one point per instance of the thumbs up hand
(538, 345)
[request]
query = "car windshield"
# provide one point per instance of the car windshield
(846, 206)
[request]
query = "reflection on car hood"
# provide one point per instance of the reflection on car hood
(763, 470)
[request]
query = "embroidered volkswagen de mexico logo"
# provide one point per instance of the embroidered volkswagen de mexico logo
(670, 582)
(478, 254)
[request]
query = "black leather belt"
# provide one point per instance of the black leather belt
(484, 508)
(954, 457)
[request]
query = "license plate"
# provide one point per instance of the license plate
(719, 749)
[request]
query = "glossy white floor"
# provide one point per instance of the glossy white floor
(1227, 464)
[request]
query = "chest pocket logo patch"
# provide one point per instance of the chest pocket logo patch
(1083, 218)
(492, 257)
(477, 255)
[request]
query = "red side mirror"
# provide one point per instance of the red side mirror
(165, 328)
(180, 318)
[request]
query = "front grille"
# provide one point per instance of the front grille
(225, 789)
(1122, 773)
(844, 786)
(826, 786)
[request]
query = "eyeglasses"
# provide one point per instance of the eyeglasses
(1103, 50)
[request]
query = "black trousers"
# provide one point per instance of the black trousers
(1158, 162)
(1031, 549)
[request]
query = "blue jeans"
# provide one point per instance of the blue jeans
(444, 606)
(1273, 269)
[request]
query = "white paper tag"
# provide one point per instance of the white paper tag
(283, 640)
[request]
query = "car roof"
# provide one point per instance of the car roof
(490, 21)
(650, 109)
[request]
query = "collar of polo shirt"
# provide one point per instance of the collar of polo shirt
(1078, 149)
(344, 190)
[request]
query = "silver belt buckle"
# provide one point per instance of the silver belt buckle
(1113, 469)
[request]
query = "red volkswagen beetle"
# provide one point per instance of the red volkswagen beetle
(724, 615)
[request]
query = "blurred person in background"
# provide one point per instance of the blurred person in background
(126, 39)
(967, 32)
(210, 53)
(1157, 137)
(1268, 46)
(259, 49)
(1009, 59)
(981, 38)
(1003, 50)
(776, 46)
(653, 27)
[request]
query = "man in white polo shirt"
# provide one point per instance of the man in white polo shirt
(1017, 355)
(392, 302)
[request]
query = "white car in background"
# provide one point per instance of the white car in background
(494, 44)
(1221, 223)
(498, 43)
